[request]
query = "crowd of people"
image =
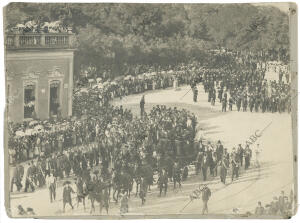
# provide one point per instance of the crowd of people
(236, 80)
(131, 149)
(114, 138)
(33, 26)
(281, 205)
(243, 82)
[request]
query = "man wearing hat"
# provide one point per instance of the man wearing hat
(163, 182)
(67, 199)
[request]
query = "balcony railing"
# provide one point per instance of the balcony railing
(39, 40)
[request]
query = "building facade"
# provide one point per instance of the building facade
(39, 75)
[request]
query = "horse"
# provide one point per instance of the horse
(121, 181)
(98, 191)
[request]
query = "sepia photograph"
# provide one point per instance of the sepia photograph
(150, 110)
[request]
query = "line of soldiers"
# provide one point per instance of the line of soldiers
(246, 88)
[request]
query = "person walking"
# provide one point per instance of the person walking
(142, 105)
(257, 155)
(67, 199)
(224, 168)
(163, 182)
(51, 185)
(206, 193)
(124, 203)
(143, 189)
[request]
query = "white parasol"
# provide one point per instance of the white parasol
(94, 86)
(46, 24)
(39, 128)
(54, 24)
(128, 77)
(84, 90)
(32, 123)
(29, 132)
(100, 85)
(30, 24)
(20, 25)
(20, 133)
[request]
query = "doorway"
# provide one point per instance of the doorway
(54, 99)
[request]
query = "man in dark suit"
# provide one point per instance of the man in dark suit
(224, 168)
(29, 177)
(142, 105)
(235, 166)
(163, 181)
(219, 150)
(205, 166)
(67, 199)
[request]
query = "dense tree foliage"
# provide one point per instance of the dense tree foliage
(111, 36)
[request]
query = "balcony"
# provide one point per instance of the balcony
(40, 40)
